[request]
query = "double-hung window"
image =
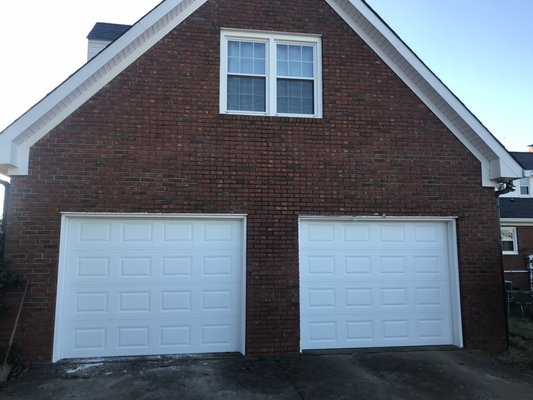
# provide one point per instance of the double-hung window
(509, 242)
(270, 74)
(524, 187)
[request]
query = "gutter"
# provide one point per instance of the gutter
(4, 218)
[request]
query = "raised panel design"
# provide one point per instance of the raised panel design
(428, 296)
(320, 233)
(133, 336)
(216, 300)
(91, 302)
(93, 267)
(393, 265)
(426, 233)
(359, 297)
(137, 232)
(95, 232)
(374, 284)
(357, 233)
(394, 297)
(220, 232)
(321, 298)
(215, 334)
(321, 265)
(426, 265)
(360, 330)
(357, 265)
(149, 285)
(176, 336)
(178, 232)
(322, 331)
(216, 266)
(392, 233)
(430, 328)
(135, 267)
(176, 301)
(134, 301)
(177, 266)
(89, 338)
(395, 329)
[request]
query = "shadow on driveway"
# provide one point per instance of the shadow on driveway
(453, 374)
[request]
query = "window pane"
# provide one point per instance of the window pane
(295, 96)
(283, 52)
(259, 50)
(524, 186)
(246, 58)
(307, 70)
(307, 54)
(233, 49)
(507, 246)
(295, 68)
(233, 65)
(247, 49)
(300, 61)
(246, 93)
(295, 53)
(247, 66)
(283, 68)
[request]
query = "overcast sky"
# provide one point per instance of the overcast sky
(481, 49)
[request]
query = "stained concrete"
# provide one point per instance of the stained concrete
(452, 374)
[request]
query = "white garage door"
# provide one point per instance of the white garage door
(141, 285)
(376, 284)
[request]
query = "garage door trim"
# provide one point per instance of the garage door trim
(66, 217)
(451, 232)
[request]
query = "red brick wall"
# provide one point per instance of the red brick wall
(519, 262)
(153, 141)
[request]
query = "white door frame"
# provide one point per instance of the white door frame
(451, 229)
(62, 267)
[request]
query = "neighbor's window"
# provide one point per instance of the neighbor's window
(524, 187)
(270, 74)
(509, 242)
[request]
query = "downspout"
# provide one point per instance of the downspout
(503, 188)
(4, 218)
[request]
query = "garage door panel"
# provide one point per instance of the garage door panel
(132, 234)
(386, 330)
(86, 268)
(372, 263)
(346, 297)
(359, 234)
(209, 300)
(372, 284)
(150, 286)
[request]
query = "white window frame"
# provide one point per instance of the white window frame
(512, 230)
(520, 186)
(271, 39)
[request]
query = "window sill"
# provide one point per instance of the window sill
(272, 118)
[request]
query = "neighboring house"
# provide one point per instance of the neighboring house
(236, 176)
(516, 213)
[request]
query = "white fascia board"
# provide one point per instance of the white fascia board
(516, 221)
(87, 81)
(497, 163)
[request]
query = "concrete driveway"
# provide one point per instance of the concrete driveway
(452, 374)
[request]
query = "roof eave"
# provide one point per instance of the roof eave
(87, 81)
(497, 164)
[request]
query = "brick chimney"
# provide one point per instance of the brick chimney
(101, 35)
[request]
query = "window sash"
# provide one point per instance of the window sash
(509, 241)
(304, 104)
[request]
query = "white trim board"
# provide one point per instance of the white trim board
(17, 139)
